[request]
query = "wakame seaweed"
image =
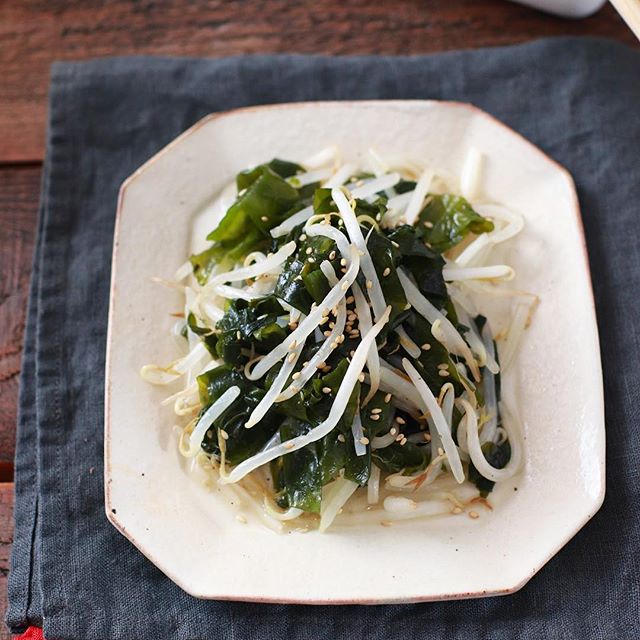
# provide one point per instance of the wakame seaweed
(250, 329)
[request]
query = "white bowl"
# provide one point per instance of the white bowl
(191, 533)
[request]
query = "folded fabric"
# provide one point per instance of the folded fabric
(72, 571)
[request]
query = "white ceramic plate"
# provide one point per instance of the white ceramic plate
(191, 533)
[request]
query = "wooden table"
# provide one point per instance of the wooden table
(34, 33)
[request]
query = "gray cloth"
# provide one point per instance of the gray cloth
(577, 99)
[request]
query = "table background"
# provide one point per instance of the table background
(33, 33)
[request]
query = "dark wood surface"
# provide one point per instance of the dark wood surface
(33, 33)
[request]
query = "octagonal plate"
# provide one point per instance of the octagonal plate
(191, 533)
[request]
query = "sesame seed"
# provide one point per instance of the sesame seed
(332, 255)
(264, 219)
(343, 262)
(340, 338)
(400, 420)
(400, 436)
(326, 389)
(341, 438)
(473, 515)
(364, 440)
(350, 300)
(296, 375)
(426, 346)
(443, 365)
(395, 244)
(351, 317)
(292, 357)
(327, 334)
(407, 306)
(332, 325)
(393, 431)
(374, 416)
(303, 237)
(440, 451)
(304, 364)
(323, 320)
(293, 325)
(361, 377)
(428, 245)
(344, 286)
(456, 510)
(321, 365)
(335, 310)
(311, 260)
(376, 410)
(386, 272)
(369, 284)
(238, 335)
(427, 436)
(387, 398)
(224, 434)
(309, 251)
(444, 373)
(386, 523)
(288, 445)
(403, 442)
(293, 345)
(428, 224)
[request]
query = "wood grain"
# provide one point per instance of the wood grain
(6, 538)
(35, 32)
(19, 190)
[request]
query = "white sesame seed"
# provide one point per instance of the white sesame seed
(327, 334)
(376, 410)
(386, 272)
(292, 357)
(332, 255)
(426, 346)
(293, 345)
(403, 442)
(343, 262)
(395, 244)
(288, 445)
(387, 398)
(456, 510)
(473, 515)
(350, 300)
(334, 345)
(264, 219)
(323, 320)
(407, 306)
(440, 451)
(428, 224)
(361, 377)
(224, 434)
(427, 436)
(374, 416)
(400, 420)
(303, 237)
(309, 251)
(341, 438)
(311, 260)
(364, 440)
(344, 286)
(393, 431)
(326, 389)
(400, 436)
(296, 375)
(369, 284)
(238, 335)
(443, 373)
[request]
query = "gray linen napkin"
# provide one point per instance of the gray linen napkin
(577, 99)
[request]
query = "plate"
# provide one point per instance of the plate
(192, 533)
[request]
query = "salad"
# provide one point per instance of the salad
(339, 367)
